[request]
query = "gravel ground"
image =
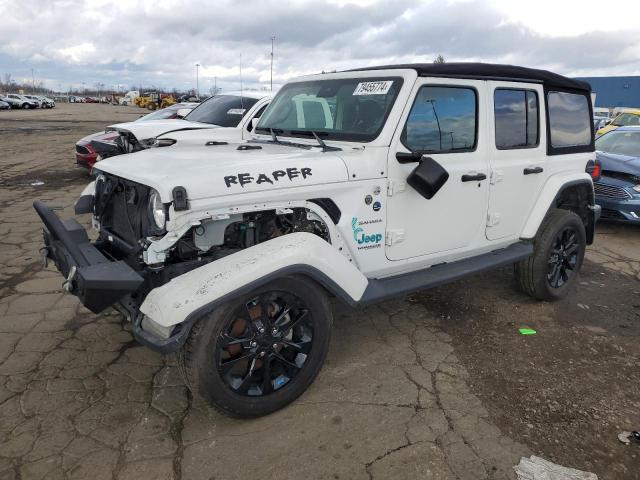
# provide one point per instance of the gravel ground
(436, 385)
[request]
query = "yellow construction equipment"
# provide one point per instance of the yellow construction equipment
(143, 100)
(166, 100)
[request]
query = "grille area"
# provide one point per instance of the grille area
(121, 208)
(610, 191)
(611, 214)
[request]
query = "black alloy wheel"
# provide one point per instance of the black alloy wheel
(563, 257)
(559, 249)
(265, 344)
(258, 352)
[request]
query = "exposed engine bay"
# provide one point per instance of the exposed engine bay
(214, 239)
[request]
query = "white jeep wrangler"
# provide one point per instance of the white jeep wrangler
(361, 185)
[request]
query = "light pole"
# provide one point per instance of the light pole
(215, 85)
(197, 82)
(273, 38)
(33, 81)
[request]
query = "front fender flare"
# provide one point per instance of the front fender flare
(198, 292)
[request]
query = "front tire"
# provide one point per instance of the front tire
(559, 249)
(259, 352)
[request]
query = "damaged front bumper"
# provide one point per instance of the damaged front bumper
(99, 282)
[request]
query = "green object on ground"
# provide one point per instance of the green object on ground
(527, 331)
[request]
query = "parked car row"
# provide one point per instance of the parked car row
(221, 236)
(15, 100)
(627, 118)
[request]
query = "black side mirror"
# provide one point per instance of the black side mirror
(428, 177)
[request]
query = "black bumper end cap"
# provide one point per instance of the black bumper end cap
(103, 284)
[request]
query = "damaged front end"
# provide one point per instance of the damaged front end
(97, 280)
(139, 248)
(126, 142)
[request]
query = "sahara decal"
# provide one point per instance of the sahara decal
(364, 240)
(243, 179)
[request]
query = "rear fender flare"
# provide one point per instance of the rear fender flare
(548, 197)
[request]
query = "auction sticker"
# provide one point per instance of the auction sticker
(373, 88)
(236, 111)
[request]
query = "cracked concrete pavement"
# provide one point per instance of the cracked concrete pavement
(79, 398)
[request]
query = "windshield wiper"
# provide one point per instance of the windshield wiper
(323, 145)
(274, 138)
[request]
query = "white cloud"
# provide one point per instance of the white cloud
(78, 53)
(158, 42)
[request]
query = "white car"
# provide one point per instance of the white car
(46, 102)
(226, 117)
(362, 185)
(20, 101)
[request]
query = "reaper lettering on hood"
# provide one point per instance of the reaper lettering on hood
(276, 176)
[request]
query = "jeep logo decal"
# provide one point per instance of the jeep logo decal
(365, 241)
(243, 179)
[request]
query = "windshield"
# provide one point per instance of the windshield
(620, 143)
(163, 114)
(222, 110)
(626, 119)
(351, 109)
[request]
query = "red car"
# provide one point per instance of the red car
(86, 155)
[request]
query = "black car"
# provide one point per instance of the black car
(618, 190)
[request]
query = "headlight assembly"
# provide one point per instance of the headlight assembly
(156, 210)
(637, 188)
(157, 142)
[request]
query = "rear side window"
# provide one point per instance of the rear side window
(569, 120)
(516, 118)
(442, 120)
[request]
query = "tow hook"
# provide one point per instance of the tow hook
(66, 285)
(44, 251)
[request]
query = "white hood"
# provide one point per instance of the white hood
(202, 136)
(153, 128)
(212, 171)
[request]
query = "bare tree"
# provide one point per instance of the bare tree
(439, 59)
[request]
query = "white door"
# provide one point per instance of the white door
(517, 156)
(445, 120)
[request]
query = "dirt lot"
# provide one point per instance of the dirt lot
(436, 385)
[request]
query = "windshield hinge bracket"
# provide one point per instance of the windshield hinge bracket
(395, 186)
(393, 237)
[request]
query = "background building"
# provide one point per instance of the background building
(615, 92)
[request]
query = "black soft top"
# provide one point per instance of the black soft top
(489, 71)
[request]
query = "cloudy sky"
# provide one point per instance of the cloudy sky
(158, 42)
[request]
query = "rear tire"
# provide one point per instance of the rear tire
(259, 352)
(559, 249)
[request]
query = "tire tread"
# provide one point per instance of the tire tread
(528, 272)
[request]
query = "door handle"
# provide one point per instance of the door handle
(533, 170)
(473, 177)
